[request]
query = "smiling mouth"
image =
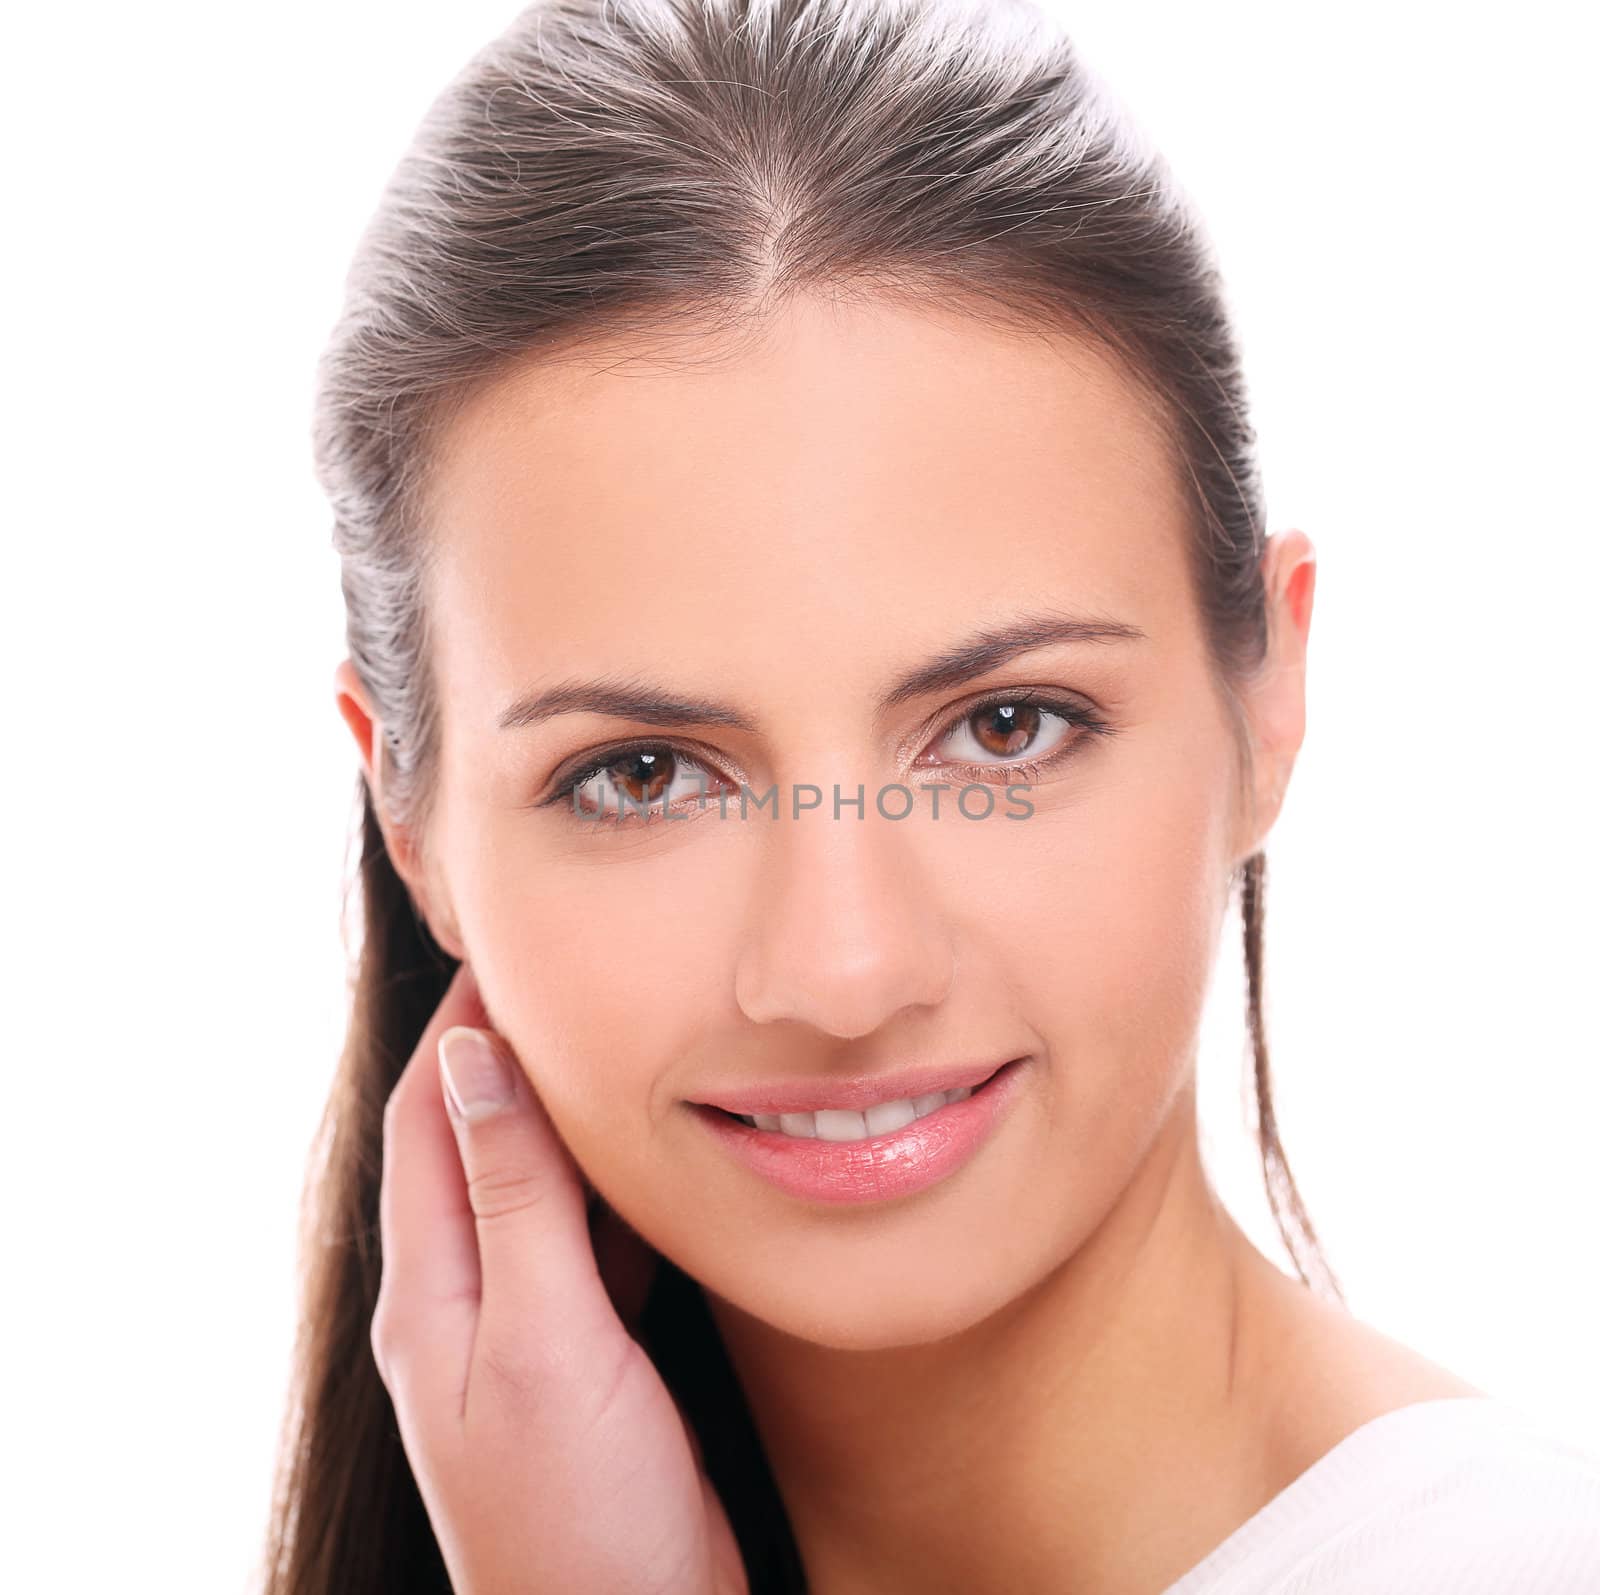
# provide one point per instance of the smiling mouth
(840, 1124)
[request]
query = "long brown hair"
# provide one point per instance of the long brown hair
(613, 166)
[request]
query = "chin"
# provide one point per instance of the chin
(852, 1294)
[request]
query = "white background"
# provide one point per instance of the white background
(1398, 194)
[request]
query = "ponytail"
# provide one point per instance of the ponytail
(347, 1518)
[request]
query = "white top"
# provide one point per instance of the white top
(1458, 1495)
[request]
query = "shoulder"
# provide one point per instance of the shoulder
(1447, 1495)
(1473, 1496)
(1484, 1498)
(1394, 1474)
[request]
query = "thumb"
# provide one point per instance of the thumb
(541, 1294)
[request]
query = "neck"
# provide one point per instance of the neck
(1101, 1432)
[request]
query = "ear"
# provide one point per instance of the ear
(356, 710)
(1275, 698)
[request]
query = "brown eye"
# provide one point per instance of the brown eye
(626, 783)
(1008, 728)
(1005, 729)
(643, 775)
(634, 783)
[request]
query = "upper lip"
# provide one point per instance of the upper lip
(809, 1094)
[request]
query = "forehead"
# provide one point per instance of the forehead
(859, 480)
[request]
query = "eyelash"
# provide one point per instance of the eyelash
(1077, 715)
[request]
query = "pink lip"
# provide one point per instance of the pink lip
(811, 1095)
(877, 1167)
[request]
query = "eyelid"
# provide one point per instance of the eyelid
(1069, 706)
(584, 768)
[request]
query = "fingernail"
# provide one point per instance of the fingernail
(477, 1076)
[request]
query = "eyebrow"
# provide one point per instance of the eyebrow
(986, 650)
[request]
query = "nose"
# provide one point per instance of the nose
(842, 934)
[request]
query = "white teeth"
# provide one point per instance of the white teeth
(840, 1124)
(887, 1116)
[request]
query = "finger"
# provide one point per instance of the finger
(427, 1304)
(542, 1301)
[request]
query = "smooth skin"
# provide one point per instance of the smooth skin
(547, 1450)
(1065, 1366)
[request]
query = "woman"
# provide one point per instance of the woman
(749, 424)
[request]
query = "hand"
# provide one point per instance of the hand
(549, 1453)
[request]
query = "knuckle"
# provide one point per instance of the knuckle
(386, 1334)
(501, 1192)
(378, 1340)
(388, 1140)
(381, 1332)
(391, 1114)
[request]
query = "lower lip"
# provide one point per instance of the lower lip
(877, 1167)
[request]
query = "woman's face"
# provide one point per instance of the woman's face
(788, 534)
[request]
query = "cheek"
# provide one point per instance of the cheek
(1109, 954)
(1092, 925)
(597, 982)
